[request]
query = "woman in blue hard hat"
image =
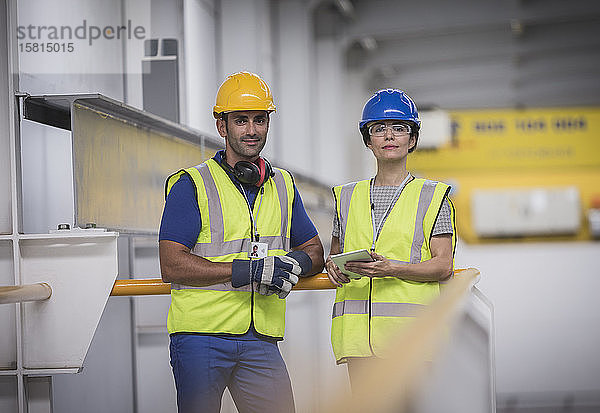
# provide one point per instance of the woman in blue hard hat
(406, 223)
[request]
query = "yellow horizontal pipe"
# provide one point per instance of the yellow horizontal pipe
(155, 286)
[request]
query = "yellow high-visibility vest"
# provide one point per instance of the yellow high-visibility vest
(225, 236)
(367, 310)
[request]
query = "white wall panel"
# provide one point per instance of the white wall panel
(546, 313)
(8, 338)
(90, 68)
(330, 150)
(8, 394)
(296, 137)
(105, 384)
(47, 177)
(133, 52)
(246, 44)
(199, 58)
(245, 37)
(360, 160)
(155, 383)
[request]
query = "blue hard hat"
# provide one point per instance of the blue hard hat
(389, 104)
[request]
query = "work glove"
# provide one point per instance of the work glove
(276, 274)
(303, 260)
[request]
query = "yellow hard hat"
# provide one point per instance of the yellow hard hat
(243, 91)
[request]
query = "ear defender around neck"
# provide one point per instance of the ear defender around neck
(265, 171)
(250, 173)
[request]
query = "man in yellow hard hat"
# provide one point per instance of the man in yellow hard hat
(234, 238)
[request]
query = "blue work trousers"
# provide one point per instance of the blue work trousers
(253, 370)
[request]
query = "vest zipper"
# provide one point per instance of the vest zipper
(251, 307)
(370, 292)
(251, 275)
(252, 235)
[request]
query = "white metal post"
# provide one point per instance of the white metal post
(11, 87)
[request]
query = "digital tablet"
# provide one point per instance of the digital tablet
(358, 255)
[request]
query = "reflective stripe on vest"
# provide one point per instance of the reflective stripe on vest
(224, 236)
(344, 208)
(215, 287)
(350, 307)
(377, 309)
(365, 310)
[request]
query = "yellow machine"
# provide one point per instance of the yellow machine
(520, 174)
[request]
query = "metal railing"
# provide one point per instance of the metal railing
(148, 286)
(26, 292)
(389, 385)
(155, 286)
